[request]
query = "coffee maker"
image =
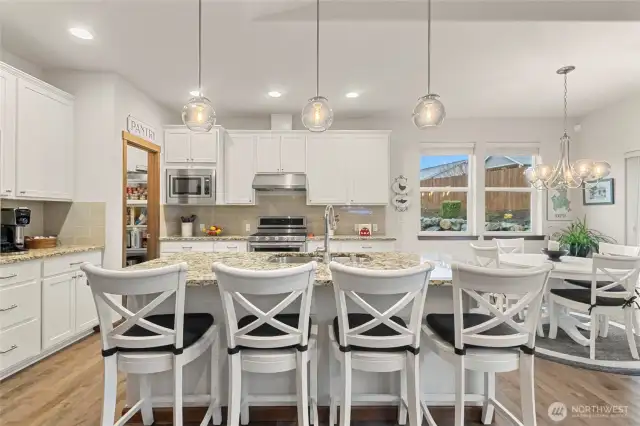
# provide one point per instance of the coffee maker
(12, 223)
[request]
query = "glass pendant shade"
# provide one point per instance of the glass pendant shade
(429, 112)
(601, 169)
(583, 168)
(317, 115)
(198, 114)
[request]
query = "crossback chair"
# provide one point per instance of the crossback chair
(144, 344)
(377, 340)
(489, 257)
(492, 342)
(269, 341)
(620, 292)
(510, 245)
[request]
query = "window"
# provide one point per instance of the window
(445, 205)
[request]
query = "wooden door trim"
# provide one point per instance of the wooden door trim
(153, 193)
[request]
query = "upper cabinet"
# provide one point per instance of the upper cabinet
(36, 138)
(326, 169)
(280, 153)
(184, 146)
(239, 168)
(368, 168)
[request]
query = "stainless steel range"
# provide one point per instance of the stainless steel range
(280, 233)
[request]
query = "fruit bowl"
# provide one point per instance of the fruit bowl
(213, 231)
(555, 255)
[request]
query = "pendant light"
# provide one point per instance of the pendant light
(317, 115)
(565, 175)
(198, 114)
(429, 112)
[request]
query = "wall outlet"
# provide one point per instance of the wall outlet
(247, 227)
(374, 227)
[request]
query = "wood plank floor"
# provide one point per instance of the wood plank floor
(66, 390)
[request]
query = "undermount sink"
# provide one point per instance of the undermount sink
(294, 259)
(355, 259)
(351, 260)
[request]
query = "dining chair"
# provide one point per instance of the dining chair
(269, 341)
(491, 343)
(375, 340)
(510, 245)
(144, 344)
(620, 293)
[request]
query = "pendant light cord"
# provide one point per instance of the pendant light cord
(317, 48)
(429, 51)
(565, 104)
(200, 47)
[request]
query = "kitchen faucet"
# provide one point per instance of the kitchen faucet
(329, 224)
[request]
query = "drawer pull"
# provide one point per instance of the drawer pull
(367, 247)
(9, 308)
(232, 246)
(76, 263)
(187, 247)
(9, 350)
(9, 276)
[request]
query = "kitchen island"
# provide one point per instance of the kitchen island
(202, 296)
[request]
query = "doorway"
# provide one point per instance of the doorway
(140, 199)
(632, 215)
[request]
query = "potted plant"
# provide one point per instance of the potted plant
(580, 240)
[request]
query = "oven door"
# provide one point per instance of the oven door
(189, 186)
(277, 247)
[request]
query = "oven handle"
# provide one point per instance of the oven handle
(262, 245)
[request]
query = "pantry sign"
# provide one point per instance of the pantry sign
(140, 129)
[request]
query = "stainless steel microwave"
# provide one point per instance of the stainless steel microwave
(191, 186)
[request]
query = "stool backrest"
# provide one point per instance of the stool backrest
(410, 285)
(487, 257)
(618, 249)
(620, 270)
(473, 281)
(510, 245)
(296, 282)
(160, 282)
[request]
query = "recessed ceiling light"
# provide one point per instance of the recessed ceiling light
(81, 33)
(274, 94)
(194, 93)
(352, 95)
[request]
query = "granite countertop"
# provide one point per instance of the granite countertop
(200, 274)
(8, 258)
(244, 238)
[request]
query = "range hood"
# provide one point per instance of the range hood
(281, 181)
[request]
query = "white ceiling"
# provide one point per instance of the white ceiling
(490, 58)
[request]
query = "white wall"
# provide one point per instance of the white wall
(606, 135)
(19, 62)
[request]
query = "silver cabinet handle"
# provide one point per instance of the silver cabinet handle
(23, 192)
(8, 190)
(234, 246)
(9, 350)
(9, 276)
(187, 247)
(76, 263)
(367, 246)
(9, 308)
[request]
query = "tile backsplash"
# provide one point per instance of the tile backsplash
(75, 223)
(233, 219)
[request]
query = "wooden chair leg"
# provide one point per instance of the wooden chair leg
(345, 403)
(110, 390)
(177, 390)
(628, 326)
(592, 336)
(145, 395)
(244, 402)
(412, 371)
(313, 385)
(527, 390)
(215, 381)
(235, 389)
(460, 389)
(302, 373)
(489, 393)
(334, 389)
(402, 408)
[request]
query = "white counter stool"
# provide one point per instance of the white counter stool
(491, 343)
(378, 341)
(607, 299)
(268, 341)
(145, 344)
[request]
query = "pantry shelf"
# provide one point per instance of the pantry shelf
(136, 202)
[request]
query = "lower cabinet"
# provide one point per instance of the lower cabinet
(86, 315)
(57, 309)
(356, 246)
(167, 248)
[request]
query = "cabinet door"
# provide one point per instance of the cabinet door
(239, 168)
(230, 246)
(369, 169)
(327, 183)
(44, 143)
(7, 134)
(293, 153)
(204, 147)
(268, 154)
(86, 315)
(176, 146)
(57, 309)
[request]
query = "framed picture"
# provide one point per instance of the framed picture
(559, 205)
(599, 193)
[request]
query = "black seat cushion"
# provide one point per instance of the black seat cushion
(599, 284)
(195, 326)
(380, 330)
(267, 330)
(443, 325)
(584, 296)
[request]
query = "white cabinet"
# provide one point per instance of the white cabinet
(363, 246)
(7, 134)
(186, 246)
(86, 315)
(57, 309)
(239, 168)
(44, 142)
(326, 171)
(368, 168)
(230, 246)
(184, 146)
(277, 153)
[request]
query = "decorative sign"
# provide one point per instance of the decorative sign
(400, 188)
(140, 129)
(559, 205)
(599, 193)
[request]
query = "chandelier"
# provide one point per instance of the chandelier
(582, 173)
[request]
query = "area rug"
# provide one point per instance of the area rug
(612, 352)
